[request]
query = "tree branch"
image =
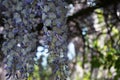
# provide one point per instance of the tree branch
(88, 10)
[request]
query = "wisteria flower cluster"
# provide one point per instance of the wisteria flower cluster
(21, 31)
(54, 20)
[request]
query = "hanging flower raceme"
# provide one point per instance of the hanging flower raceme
(54, 20)
(19, 31)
